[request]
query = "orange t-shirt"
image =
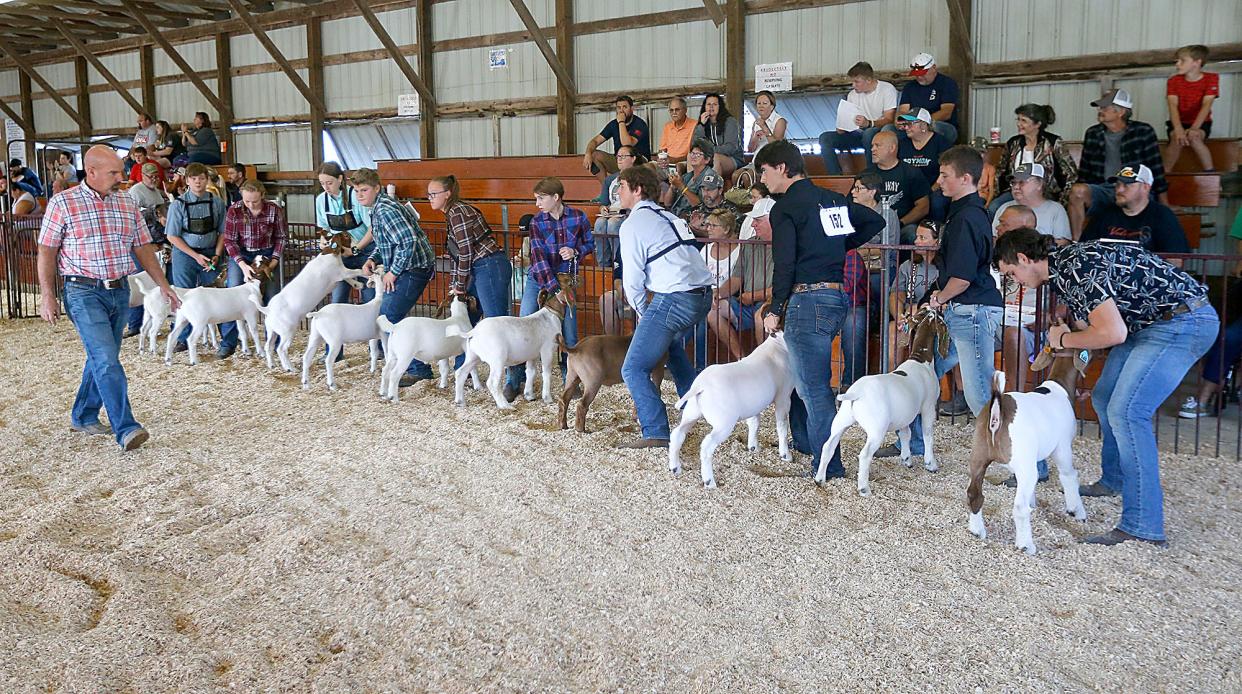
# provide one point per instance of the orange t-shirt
(676, 141)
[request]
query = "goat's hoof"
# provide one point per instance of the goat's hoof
(529, 398)
(864, 491)
(1079, 515)
(1029, 549)
(908, 462)
(168, 362)
(709, 484)
(752, 448)
(306, 385)
(931, 468)
(787, 457)
(675, 470)
(332, 387)
(980, 533)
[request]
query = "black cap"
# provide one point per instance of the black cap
(524, 222)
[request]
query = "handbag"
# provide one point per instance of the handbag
(739, 194)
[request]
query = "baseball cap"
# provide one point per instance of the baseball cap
(761, 208)
(1130, 175)
(922, 115)
(711, 179)
(1028, 171)
(1114, 97)
(149, 169)
(921, 63)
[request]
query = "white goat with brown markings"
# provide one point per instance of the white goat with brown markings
(1019, 429)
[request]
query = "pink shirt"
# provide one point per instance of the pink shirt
(95, 234)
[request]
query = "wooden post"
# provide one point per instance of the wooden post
(566, 101)
(224, 87)
(426, 65)
(962, 60)
(146, 60)
(563, 77)
(735, 65)
(314, 65)
(83, 82)
(23, 85)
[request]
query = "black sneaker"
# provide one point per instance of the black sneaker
(130, 332)
(1012, 482)
(1117, 536)
(1096, 489)
(955, 407)
(511, 392)
(889, 451)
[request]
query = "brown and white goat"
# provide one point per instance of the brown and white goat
(1020, 429)
(595, 361)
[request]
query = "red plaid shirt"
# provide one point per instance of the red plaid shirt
(244, 231)
(857, 285)
(95, 234)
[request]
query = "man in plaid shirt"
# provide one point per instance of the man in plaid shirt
(1107, 147)
(88, 234)
(402, 249)
(253, 227)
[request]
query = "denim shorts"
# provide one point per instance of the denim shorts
(742, 315)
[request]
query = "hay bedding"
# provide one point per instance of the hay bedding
(271, 539)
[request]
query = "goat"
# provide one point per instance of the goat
(725, 393)
(594, 362)
(502, 341)
(1023, 428)
(205, 306)
(889, 402)
(339, 324)
(286, 310)
(426, 339)
(156, 309)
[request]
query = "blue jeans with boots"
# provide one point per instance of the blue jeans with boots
(99, 316)
(660, 331)
(812, 321)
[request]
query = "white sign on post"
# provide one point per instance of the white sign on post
(774, 77)
(407, 104)
(497, 59)
(13, 133)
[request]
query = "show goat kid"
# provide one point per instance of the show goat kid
(425, 339)
(340, 324)
(725, 393)
(1019, 429)
(595, 361)
(203, 307)
(890, 402)
(155, 311)
(502, 341)
(286, 310)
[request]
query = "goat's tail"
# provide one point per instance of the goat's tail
(847, 397)
(254, 299)
(560, 344)
(994, 409)
(694, 391)
(384, 324)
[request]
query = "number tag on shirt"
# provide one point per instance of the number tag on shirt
(835, 221)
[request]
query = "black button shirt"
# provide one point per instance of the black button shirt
(966, 252)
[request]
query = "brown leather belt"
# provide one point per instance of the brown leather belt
(800, 288)
(97, 283)
(1184, 307)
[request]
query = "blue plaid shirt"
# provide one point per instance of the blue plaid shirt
(548, 236)
(400, 243)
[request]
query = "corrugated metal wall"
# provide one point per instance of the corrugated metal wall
(665, 56)
(108, 109)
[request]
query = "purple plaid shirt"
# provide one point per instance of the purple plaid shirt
(548, 236)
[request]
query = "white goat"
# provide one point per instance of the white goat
(156, 309)
(286, 310)
(1023, 428)
(427, 340)
(203, 307)
(503, 341)
(725, 393)
(339, 324)
(889, 402)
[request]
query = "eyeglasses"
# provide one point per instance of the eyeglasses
(431, 195)
(625, 156)
(697, 154)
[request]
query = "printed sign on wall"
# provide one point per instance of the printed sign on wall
(407, 104)
(774, 77)
(498, 59)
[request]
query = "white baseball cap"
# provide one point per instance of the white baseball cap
(922, 114)
(921, 63)
(761, 208)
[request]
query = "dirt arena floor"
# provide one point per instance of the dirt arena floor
(273, 539)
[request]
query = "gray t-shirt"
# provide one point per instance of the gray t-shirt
(207, 142)
(925, 275)
(1112, 152)
(1050, 219)
(754, 267)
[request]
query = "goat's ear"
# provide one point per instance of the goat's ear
(942, 337)
(1081, 359)
(1042, 360)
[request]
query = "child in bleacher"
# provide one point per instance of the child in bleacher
(1191, 93)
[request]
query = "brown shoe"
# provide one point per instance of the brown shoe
(643, 443)
(1117, 536)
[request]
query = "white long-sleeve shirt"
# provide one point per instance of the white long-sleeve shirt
(644, 234)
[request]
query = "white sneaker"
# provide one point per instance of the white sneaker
(1191, 409)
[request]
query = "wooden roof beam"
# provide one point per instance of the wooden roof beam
(100, 21)
(243, 14)
(174, 56)
(101, 69)
(713, 9)
(6, 47)
(16, 117)
(428, 99)
(562, 75)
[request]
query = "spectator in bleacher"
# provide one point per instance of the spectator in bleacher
(878, 102)
(1035, 145)
(711, 194)
(608, 223)
(1190, 95)
(770, 126)
(337, 210)
(933, 91)
(234, 176)
(737, 301)
(1028, 186)
(402, 249)
(758, 193)
(200, 141)
(1135, 217)
(678, 133)
(625, 129)
(1107, 147)
(480, 268)
(905, 189)
(144, 137)
(913, 282)
(195, 223)
(148, 192)
(720, 254)
(921, 148)
(166, 147)
(1222, 357)
(23, 202)
(560, 237)
(27, 179)
(66, 172)
(139, 155)
(684, 190)
(253, 227)
(719, 127)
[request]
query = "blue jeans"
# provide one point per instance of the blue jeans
(340, 293)
(974, 331)
(831, 142)
(396, 305)
(134, 322)
(99, 316)
(1224, 353)
(661, 331)
(1102, 195)
(607, 248)
(812, 321)
(208, 158)
(187, 273)
(1138, 376)
(490, 280)
(699, 336)
(854, 345)
(228, 331)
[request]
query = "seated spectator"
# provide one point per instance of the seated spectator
(719, 127)
(148, 192)
(66, 172)
(906, 191)
(915, 278)
(625, 129)
(200, 141)
(1028, 190)
(932, 91)
(614, 310)
(878, 102)
(758, 192)
(167, 147)
(1190, 95)
(721, 255)
(920, 146)
(749, 285)
(234, 176)
(26, 179)
(139, 155)
(608, 223)
(769, 126)
(1223, 355)
(1135, 217)
(683, 192)
(144, 137)
(713, 199)
(1035, 145)
(1116, 142)
(23, 202)
(678, 133)
(1019, 301)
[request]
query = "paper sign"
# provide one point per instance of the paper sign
(12, 133)
(835, 221)
(774, 77)
(407, 104)
(846, 113)
(497, 59)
